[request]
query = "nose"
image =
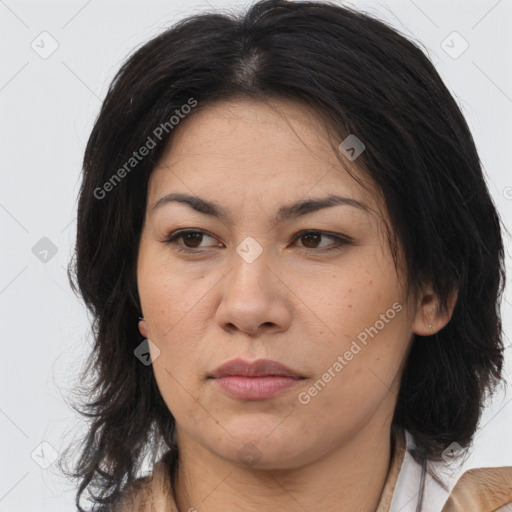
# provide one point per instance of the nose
(255, 298)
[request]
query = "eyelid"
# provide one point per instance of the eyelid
(328, 234)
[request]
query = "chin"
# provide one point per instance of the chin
(265, 449)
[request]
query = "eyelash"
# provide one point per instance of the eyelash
(340, 241)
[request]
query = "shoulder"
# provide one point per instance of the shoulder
(449, 487)
(483, 489)
(152, 493)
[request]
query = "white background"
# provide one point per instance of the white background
(47, 109)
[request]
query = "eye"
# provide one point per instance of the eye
(192, 240)
(312, 238)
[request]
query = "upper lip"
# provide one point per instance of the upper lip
(258, 368)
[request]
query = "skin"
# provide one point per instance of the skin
(295, 303)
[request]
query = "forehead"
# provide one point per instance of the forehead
(263, 148)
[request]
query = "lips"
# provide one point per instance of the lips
(259, 368)
(258, 380)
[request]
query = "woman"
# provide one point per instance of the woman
(295, 269)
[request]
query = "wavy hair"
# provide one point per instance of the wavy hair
(361, 76)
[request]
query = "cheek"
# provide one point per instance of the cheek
(363, 335)
(356, 381)
(172, 302)
(171, 308)
(178, 390)
(349, 298)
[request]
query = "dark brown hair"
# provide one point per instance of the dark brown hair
(362, 77)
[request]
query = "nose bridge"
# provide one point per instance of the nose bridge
(250, 269)
(252, 295)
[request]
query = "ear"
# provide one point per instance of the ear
(143, 328)
(428, 313)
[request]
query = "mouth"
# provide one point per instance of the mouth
(257, 380)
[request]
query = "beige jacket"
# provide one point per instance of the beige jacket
(476, 490)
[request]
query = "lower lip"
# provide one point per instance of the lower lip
(255, 388)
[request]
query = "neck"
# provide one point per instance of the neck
(350, 478)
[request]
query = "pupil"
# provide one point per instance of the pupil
(311, 236)
(188, 235)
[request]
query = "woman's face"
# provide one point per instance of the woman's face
(254, 287)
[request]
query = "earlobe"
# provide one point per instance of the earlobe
(143, 328)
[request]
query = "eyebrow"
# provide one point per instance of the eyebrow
(284, 213)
